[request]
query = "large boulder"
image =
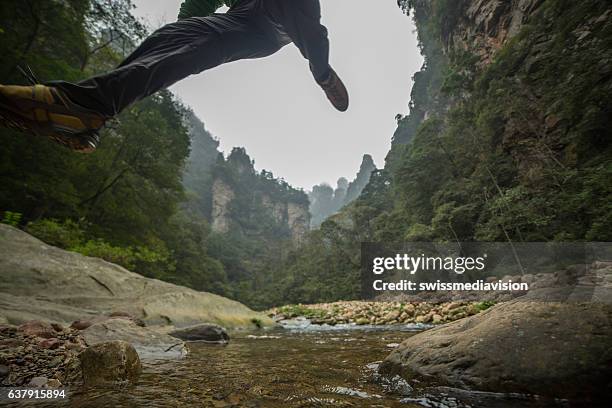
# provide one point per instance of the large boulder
(556, 349)
(41, 282)
(208, 333)
(149, 343)
(113, 362)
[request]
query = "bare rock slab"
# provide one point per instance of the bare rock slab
(41, 282)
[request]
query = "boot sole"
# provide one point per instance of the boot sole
(83, 142)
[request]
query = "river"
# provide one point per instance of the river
(300, 367)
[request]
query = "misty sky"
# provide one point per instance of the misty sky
(274, 108)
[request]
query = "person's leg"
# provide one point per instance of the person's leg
(301, 20)
(170, 54)
(70, 113)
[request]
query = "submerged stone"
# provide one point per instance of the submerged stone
(209, 333)
(112, 362)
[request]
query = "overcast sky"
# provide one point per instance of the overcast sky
(274, 108)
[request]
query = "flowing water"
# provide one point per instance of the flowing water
(298, 367)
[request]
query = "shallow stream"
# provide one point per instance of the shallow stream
(298, 367)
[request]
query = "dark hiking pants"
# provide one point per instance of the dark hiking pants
(250, 29)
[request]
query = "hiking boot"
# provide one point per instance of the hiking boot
(45, 111)
(336, 91)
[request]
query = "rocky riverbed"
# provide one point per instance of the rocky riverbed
(49, 355)
(380, 313)
(38, 354)
(107, 350)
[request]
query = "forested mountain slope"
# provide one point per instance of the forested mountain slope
(508, 139)
(514, 139)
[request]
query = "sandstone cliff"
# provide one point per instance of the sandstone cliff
(326, 201)
(256, 204)
(222, 196)
(483, 27)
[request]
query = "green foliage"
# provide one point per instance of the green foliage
(426, 96)
(324, 268)
(153, 262)
(484, 305)
(125, 257)
(460, 74)
(301, 310)
(11, 218)
(189, 241)
(133, 186)
(73, 236)
(63, 234)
